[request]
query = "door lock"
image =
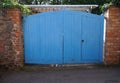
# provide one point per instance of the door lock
(82, 41)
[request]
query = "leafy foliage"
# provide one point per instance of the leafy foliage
(103, 4)
(116, 2)
(57, 2)
(14, 4)
(35, 2)
(103, 7)
(27, 2)
(71, 2)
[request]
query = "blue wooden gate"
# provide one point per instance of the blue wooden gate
(63, 37)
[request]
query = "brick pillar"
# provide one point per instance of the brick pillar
(16, 36)
(112, 45)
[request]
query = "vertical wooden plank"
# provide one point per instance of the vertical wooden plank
(72, 37)
(101, 38)
(91, 34)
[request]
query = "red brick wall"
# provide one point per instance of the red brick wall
(17, 40)
(112, 45)
(11, 43)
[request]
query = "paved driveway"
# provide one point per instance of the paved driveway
(65, 75)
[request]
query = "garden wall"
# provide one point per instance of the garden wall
(112, 45)
(11, 44)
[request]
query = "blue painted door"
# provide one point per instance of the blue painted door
(92, 39)
(43, 38)
(83, 37)
(63, 37)
(72, 38)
